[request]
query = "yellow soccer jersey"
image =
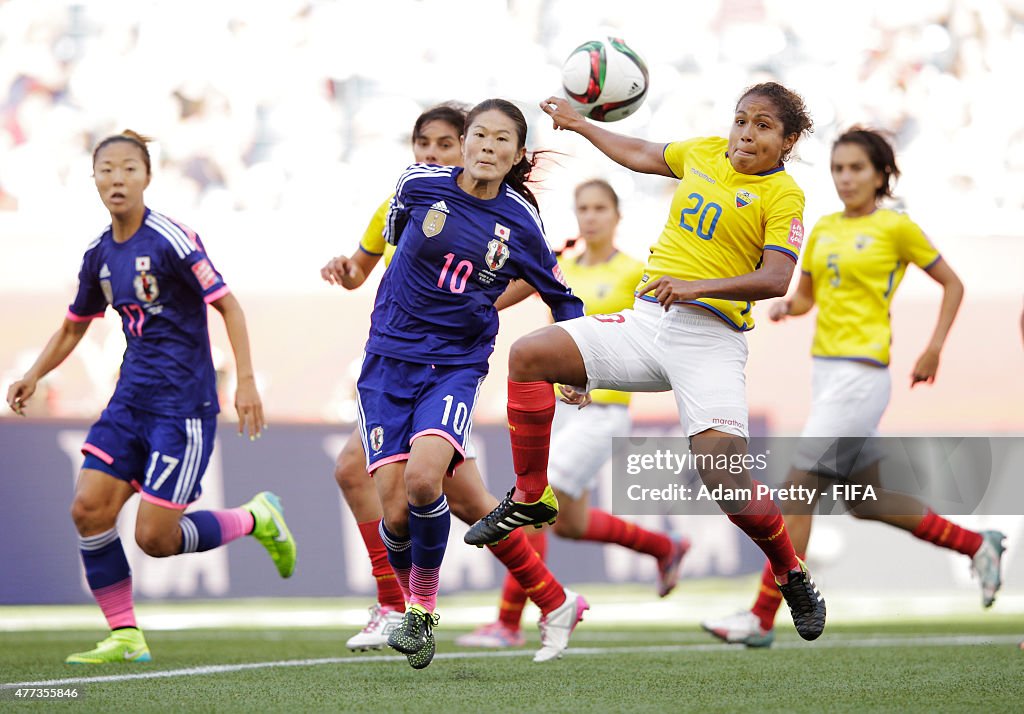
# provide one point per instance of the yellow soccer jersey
(856, 264)
(604, 288)
(373, 237)
(721, 222)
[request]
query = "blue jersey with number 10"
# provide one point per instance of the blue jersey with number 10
(456, 254)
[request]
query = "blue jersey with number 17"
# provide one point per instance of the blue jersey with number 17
(456, 254)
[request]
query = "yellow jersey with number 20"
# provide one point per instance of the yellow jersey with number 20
(721, 222)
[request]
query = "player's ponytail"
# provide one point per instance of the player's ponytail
(131, 137)
(518, 177)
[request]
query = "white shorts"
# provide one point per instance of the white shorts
(581, 443)
(848, 400)
(686, 350)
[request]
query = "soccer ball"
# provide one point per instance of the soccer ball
(605, 79)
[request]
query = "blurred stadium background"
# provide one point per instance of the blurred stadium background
(281, 126)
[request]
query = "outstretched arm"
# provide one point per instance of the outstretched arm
(770, 280)
(952, 295)
(800, 304)
(247, 397)
(57, 349)
(646, 157)
(350, 272)
(515, 293)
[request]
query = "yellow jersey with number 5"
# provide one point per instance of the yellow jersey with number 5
(856, 265)
(373, 237)
(721, 222)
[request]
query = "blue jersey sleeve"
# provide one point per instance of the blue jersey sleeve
(398, 216)
(197, 271)
(90, 302)
(540, 269)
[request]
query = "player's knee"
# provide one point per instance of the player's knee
(350, 471)
(396, 519)
(156, 543)
(861, 511)
(91, 517)
(526, 359)
(469, 506)
(569, 528)
(421, 487)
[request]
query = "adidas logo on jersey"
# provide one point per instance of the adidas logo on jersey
(439, 206)
(104, 271)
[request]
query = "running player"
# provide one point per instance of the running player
(462, 236)
(853, 264)
(732, 237)
(604, 278)
(157, 432)
(437, 140)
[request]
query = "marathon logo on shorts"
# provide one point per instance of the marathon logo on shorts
(796, 233)
(744, 198)
(433, 222)
(497, 254)
(377, 438)
(205, 274)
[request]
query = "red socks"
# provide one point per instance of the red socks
(528, 576)
(389, 592)
(762, 521)
(606, 528)
(946, 534)
(531, 407)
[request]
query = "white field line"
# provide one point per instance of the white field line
(937, 641)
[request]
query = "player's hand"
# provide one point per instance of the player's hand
(671, 290)
(18, 393)
(249, 408)
(779, 310)
(572, 395)
(337, 269)
(563, 116)
(926, 368)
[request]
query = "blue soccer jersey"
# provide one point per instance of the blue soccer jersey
(456, 254)
(159, 281)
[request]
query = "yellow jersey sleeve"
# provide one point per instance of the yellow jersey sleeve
(372, 241)
(604, 288)
(721, 222)
(914, 246)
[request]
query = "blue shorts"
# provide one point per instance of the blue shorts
(162, 457)
(400, 401)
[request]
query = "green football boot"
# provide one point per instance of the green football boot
(272, 532)
(124, 645)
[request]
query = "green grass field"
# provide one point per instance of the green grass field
(971, 664)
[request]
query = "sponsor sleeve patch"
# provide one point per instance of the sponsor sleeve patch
(205, 274)
(796, 233)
